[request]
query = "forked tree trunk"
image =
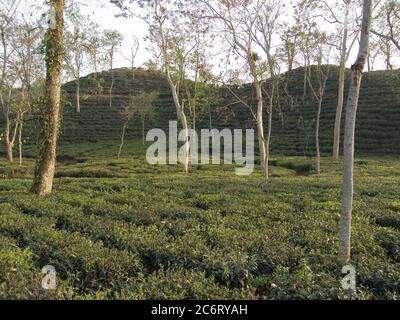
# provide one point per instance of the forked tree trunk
(10, 135)
(182, 117)
(179, 108)
(342, 76)
(351, 112)
(50, 113)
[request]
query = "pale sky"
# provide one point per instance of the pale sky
(103, 13)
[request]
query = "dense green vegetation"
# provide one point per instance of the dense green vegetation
(294, 119)
(125, 229)
(114, 227)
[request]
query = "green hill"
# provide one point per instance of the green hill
(293, 121)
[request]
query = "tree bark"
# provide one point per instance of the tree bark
(9, 150)
(317, 136)
(179, 108)
(78, 95)
(342, 75)
(268, 141)
(351, 112)
(260, 129)
(143, 133)
(270, 115)
(182, 117)
(50, 114)
(112, 79)
(20, 141)
(122, 139)
(10, 135)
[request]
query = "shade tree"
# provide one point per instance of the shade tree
(141, 105)
(112, 42)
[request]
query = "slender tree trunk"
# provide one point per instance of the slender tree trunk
(182, 117)
(342, 76)
(260, 130)
(369, 64)
(305, 83)
(9, 155)
(96, 77)
(389, 66)
(187, 146)
(9, 151)
(194, 127)
(122, 139)
(351, 112)
(179, 108)
(268, 141)
(290, 64)
(209, 116)
(317, 136)
(143, 133)
(112, 82)
(50, 114)
(9, 137)
(20, 141)
(111, 89)
(78, 94)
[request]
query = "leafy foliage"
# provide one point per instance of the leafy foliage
(137, 231)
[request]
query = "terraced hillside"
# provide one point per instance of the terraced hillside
(294, 116)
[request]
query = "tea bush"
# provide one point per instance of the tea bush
(143, 232)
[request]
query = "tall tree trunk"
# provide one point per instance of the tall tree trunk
(9, 151)
(268, 141)
(260, 130)
(112, 82)
(20, 141)
(182, 117)
(143, 133)
(122, 139)
(317, 136)
(209, 116)
(351, 112)
(369, 65)
(290, 64)
(96, 77)
(7, 144)
(342, 76)
(50, 114)
(111, 89)
(78, 94)
(10, 135)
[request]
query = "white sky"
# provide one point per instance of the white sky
(103, 13)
